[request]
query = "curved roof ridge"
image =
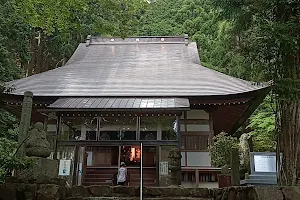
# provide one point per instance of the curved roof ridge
(133, 70)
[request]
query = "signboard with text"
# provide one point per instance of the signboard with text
(163, 168)
(264, 163)
(64, 167)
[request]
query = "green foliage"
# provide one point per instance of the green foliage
(80, 16)
(220, 151)
(262, 126)
(159, 19)
(8, 160)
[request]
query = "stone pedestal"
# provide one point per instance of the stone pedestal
(39, 182)
(42, 170)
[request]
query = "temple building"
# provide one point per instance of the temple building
(113, 94)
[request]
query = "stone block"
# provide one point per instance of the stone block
(268, 193)
(48, 192)
(100, 191)
(232, 194)
(252, 195)
(164, 180)
(80, 191)
(42, 170)
(8, 192)
(176, 192)
(291, 193)
(126, 191)
(241, 195)
(26, 191)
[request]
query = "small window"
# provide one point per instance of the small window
(195, 142)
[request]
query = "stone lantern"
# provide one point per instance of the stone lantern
(175, 165)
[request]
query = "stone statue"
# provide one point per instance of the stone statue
(247, 176)
(245, 151)
(37, 144)
(104, 136)
(175, 165)
(225, 170)
(150, 136)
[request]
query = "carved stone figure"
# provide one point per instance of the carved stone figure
(37, 144)
(150, 136)
(175, 165)
(225, 170)
(104, 136)
(245, 151)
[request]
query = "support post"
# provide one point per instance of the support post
(157, 165)
(25, 121)
(58, 123)
(141, 181)
(75, 165)
(197, 177)
(179, 146)
(235, 165)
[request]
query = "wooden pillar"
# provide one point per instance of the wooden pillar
(197, 178)
(157, 165)
(179, 146)
(75, 164)
(138, 125)
(235, 165)
(46, 123)
(58, 124)
(211, 130)
(81, 156)
(25, 121)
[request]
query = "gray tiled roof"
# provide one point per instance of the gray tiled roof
(143, 67)
(121, 103)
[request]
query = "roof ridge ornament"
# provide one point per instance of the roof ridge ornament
(88, 40)
(186, 39)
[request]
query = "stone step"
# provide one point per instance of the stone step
(137, 198)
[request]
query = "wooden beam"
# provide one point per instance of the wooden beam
(118, 142)
(253, 106)
(195, 121)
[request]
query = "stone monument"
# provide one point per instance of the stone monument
(175, 165)
(40, 181)
(25, 121)
(235, 166)
(37, 144)
(264, 169)
(38, 149)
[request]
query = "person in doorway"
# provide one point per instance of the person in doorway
(122, 174)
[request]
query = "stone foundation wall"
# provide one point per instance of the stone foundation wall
(28, 191)
(55, 191)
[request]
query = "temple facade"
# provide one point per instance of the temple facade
(114, 94)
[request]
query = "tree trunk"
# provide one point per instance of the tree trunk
(31, 65)
(288, 140)
(40, 57)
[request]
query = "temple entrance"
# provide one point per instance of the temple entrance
(131, 155)
(101, 164)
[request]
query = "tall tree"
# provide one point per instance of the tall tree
(269, 35)
(60, 25)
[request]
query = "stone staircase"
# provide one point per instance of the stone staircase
(138, 198)
(102, 176)
(133, 193)
(99, 176)
(149, 177)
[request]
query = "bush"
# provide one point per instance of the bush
(220, 151)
